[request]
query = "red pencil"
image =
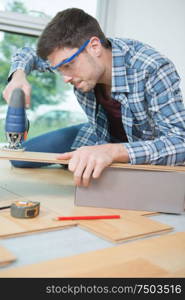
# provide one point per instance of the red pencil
(87, 217)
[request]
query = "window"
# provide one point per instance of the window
(19, 26)
(48, 8)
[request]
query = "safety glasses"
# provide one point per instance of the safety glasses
(69, 59)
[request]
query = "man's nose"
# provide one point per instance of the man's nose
(67, 79)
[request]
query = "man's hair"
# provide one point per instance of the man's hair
(69, 28)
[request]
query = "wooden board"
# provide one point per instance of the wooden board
(54, 188)
(6, 257)
(52, 158)
(10, 226)
(138, 267)
(180, 273)
(129, 226)
(31, 156)
(126, 228)
(162, 255)
(44, 184)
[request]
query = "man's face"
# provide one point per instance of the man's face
(84, 71)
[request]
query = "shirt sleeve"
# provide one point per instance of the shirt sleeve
(26, 59)
(166, 108)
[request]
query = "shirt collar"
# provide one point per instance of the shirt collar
(119, 77)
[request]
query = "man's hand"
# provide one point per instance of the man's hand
(18, 81)
(89, 161)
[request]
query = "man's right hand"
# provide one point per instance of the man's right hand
(18, 81)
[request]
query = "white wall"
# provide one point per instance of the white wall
(160, 23)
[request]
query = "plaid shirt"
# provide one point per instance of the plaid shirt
(146, 84)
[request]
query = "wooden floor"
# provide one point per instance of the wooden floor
(6, 256)
(53, 187)
(162, 256)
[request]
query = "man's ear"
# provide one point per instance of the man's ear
(95, 46)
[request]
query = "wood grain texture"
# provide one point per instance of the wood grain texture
(154, 257)
(126, 228)
(31, 156)
(138, 267)
(52, 158)
(6, 257)
(10, 226)
(54, 189)
(179, 273)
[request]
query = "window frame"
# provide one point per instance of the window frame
(20, 23)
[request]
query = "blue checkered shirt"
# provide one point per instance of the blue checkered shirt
(146, 84)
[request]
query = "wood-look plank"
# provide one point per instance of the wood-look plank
(138, 267)
(45, 221)
(126, 228)
(31, 156)
(163, 255)
(52, 158)
(6, 257)
(180, 273)
(54, 189)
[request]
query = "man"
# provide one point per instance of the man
(129, 91)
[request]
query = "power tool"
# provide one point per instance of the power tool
(16, 123)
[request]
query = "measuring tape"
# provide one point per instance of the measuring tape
(25, 209)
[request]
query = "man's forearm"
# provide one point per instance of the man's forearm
(19, 74)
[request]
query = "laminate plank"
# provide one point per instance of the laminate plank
(52, 158)
(6, 257)
(154, 257)
(54, 189)
(126, 228)
(45, 221)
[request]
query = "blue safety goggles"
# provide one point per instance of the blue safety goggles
(67, 60)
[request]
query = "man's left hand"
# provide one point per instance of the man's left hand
(90, 161)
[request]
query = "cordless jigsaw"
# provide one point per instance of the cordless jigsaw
(16, 123)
